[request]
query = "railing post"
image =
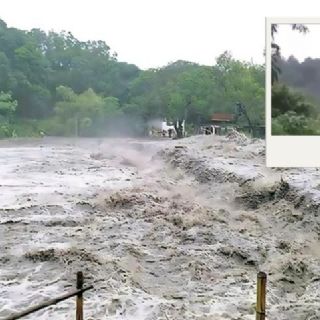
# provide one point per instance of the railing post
(79, 306)
(261, 296)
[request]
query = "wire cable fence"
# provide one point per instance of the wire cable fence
(80, 289)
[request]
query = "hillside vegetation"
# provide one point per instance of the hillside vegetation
(296, 98)
(55, 83)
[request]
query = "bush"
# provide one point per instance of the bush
(21, 128)
(5, 131)
(55, 127)
(285, 100)
(291, 123)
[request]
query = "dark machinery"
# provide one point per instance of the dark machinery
(240, 110)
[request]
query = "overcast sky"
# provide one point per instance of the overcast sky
(152, 33)
(299, 44)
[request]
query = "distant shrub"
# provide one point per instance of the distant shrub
(285, 100)
(291, 123)
(5, 131)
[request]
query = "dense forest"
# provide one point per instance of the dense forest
(296, 97)
(304, 76)
(295, 92)
(54, 83)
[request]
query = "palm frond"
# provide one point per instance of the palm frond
(300, 27)
(274, 29)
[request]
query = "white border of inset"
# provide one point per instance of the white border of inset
(287, 151)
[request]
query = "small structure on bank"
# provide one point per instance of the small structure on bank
(167, 129)
(219, 123)
(222, 123)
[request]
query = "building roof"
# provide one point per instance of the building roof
(227, 117)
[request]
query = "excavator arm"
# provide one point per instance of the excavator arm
(241, 110)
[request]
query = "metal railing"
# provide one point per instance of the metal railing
(79, 301)
(260, 303)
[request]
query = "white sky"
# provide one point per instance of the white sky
(299, 44)
(152, 33)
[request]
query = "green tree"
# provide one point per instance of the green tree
(239, 81)
(292, 123)
(7, 108)
(284, 100)
(84, 109)
(68, 85)
(5, 72)
(7, 105)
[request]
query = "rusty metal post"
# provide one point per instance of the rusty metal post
(79, 306)
(261, 296)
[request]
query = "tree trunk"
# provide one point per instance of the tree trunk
(179, 129)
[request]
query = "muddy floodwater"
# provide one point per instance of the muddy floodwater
(167, 229)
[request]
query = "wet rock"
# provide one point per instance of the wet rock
(96, 156)
(254, 197)
(62, 223)
(41, 255)
(284, 245)
(115, 305)
(175, 295)
(240, 254)
(4, 260)
(10, 221)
